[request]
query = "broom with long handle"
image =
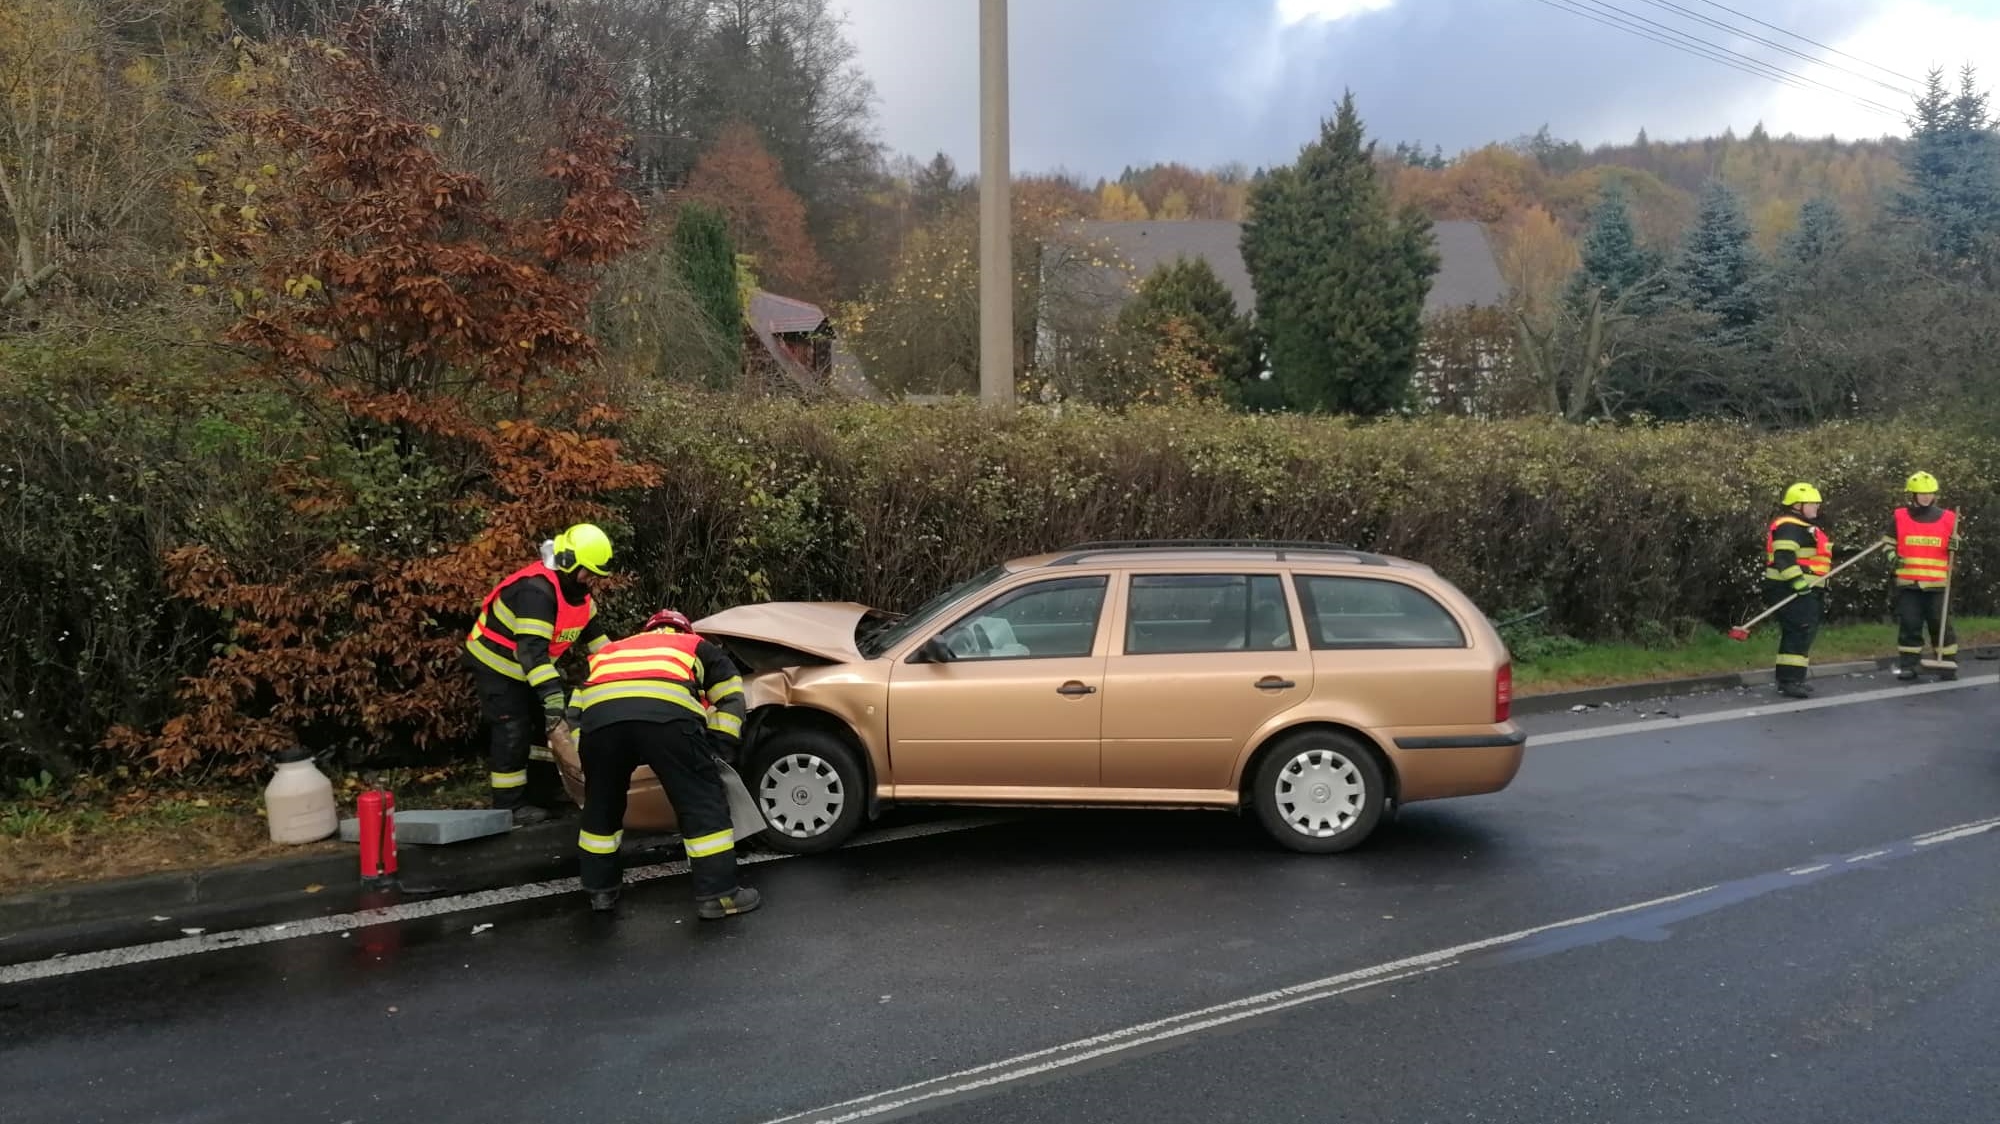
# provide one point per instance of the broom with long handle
(1742, 631)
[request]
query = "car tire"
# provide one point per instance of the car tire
(1319, 792)
(808, 784)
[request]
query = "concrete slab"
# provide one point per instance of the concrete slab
(432, 829)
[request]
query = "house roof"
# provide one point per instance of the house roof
(783, 316)
(1468, 273)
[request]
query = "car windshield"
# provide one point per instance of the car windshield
(877, 638)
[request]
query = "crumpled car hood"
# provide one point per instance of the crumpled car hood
(783, 634)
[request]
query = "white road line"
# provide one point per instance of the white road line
(1866, 857)
(1038, 1063)
(1950, 834)
(1805, 870)
(1084, 1049)
(1772, 710)
(412, 911)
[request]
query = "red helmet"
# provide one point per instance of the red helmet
(669, 618)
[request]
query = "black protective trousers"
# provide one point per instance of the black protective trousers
(520, 768)
(1798, 627)
(1919, 612)
(678, 752)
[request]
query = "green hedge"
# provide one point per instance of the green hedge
(1621, 531)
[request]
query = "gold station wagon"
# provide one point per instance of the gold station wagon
(1318, 685)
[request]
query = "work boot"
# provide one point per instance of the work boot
(527, 815)
(1794, 690)
(743, 899)
(603, 901)
(1906, 675)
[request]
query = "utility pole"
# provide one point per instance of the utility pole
(996, 236)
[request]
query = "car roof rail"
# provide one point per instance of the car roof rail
(1072, 555)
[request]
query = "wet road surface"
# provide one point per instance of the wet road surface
(1768, 918)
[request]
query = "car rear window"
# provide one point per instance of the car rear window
(1367, 613)
(1185, 613)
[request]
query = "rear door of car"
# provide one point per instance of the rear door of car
(1200, 663)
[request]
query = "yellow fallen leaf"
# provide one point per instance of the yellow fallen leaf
(202, 803)
(314, 888)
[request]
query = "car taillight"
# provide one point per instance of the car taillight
(1503, 693)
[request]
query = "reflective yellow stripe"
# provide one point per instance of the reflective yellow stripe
(598, 643)
(656, 667)
(725, 689)
(1910, 651)
(1948, 651)
(542, 629)
(599, 844)
(504, 665)
(1794, 661)
(504, 615)
(726, 722)
(703, 846)
(508, 780)
(541, 753)
(545, 673)
(661, 692)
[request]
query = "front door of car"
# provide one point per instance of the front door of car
(1202, 662)
(1018, 702)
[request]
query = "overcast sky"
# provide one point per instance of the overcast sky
(1100, 84)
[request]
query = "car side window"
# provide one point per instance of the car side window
(1047, 620)
(1367, 613)
(1191, 613)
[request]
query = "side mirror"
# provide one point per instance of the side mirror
(935, 650)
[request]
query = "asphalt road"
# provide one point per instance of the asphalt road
(1756, 917)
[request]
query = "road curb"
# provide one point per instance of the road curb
(72, 919)
(1556, 702)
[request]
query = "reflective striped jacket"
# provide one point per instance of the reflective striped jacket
(663, 676)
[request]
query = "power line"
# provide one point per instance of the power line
(1776, 46)
(1701, 48)
(1566, 6)
(1814, 42)
(1692, 38)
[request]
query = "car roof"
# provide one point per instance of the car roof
(1207, 553)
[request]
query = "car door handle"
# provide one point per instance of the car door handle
(1273, 683)
(1076, 690)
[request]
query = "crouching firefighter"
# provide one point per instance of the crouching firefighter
(1926, 538)
(1797, 558)
(668, 699)
(526, 624)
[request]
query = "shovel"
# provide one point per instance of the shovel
(1742, 631)
(1944, 621)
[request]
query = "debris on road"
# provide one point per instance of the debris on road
(478, 929)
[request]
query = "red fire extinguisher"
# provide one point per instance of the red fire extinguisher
(377, 811)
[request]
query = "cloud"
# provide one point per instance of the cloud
(1101, 84)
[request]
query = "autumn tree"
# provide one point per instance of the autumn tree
(767, 220)
(91, 122)
(1340, 277)
(441, 345)
(1116, 204)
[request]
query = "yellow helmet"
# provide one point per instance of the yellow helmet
(584, 545)
(1921, 483)
(1801, 493)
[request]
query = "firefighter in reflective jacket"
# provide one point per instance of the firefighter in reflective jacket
(1797, 557)
(668, 699)
(525, 624)
(1926, 538)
